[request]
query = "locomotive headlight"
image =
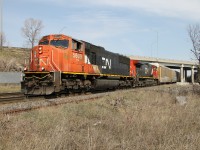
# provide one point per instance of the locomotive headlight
(40, 49)
(25, 69)
(43, 69)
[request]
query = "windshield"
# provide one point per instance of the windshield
(44, 42)
(62, 43)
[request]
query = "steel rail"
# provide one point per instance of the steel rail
(11, 97)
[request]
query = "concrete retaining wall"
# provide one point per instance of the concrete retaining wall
(10, 77)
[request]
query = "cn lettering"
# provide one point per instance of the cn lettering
(106, 63)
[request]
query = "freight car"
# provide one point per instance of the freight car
(62, 64)
(166, 75)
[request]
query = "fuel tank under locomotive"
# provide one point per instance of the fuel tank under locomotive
(102, 84)
(105, 84)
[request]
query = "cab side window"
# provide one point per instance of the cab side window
(76, 45)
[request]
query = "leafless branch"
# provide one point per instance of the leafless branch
(194, 34)
(31, 30)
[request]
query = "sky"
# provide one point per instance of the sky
(150, 28)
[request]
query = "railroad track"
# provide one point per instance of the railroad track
(39, 102)
(11, 97)
(36, 102)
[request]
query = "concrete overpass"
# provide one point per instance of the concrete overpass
(184, 66)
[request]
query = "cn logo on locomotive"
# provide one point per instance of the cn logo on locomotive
(106, 62)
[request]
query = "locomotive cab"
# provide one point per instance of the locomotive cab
(56, 53)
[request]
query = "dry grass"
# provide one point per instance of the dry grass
(9, 88)
(124, 120)
(12, 59)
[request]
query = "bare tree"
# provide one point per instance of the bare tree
(2, 39)
(194, 33)
(31, 30)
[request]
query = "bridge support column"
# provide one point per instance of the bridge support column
(192, 74)
(182, 73)
(185, 75)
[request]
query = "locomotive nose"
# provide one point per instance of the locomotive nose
(43, 58)
(40, 58)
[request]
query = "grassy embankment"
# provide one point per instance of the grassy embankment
(133, 119)
(12, 60)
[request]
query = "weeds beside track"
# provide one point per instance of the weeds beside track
(143, 118)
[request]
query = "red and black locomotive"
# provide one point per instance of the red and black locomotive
(62, 64)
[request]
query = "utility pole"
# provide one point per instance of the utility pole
(156, 49)
(1, 24)
(156, 53)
